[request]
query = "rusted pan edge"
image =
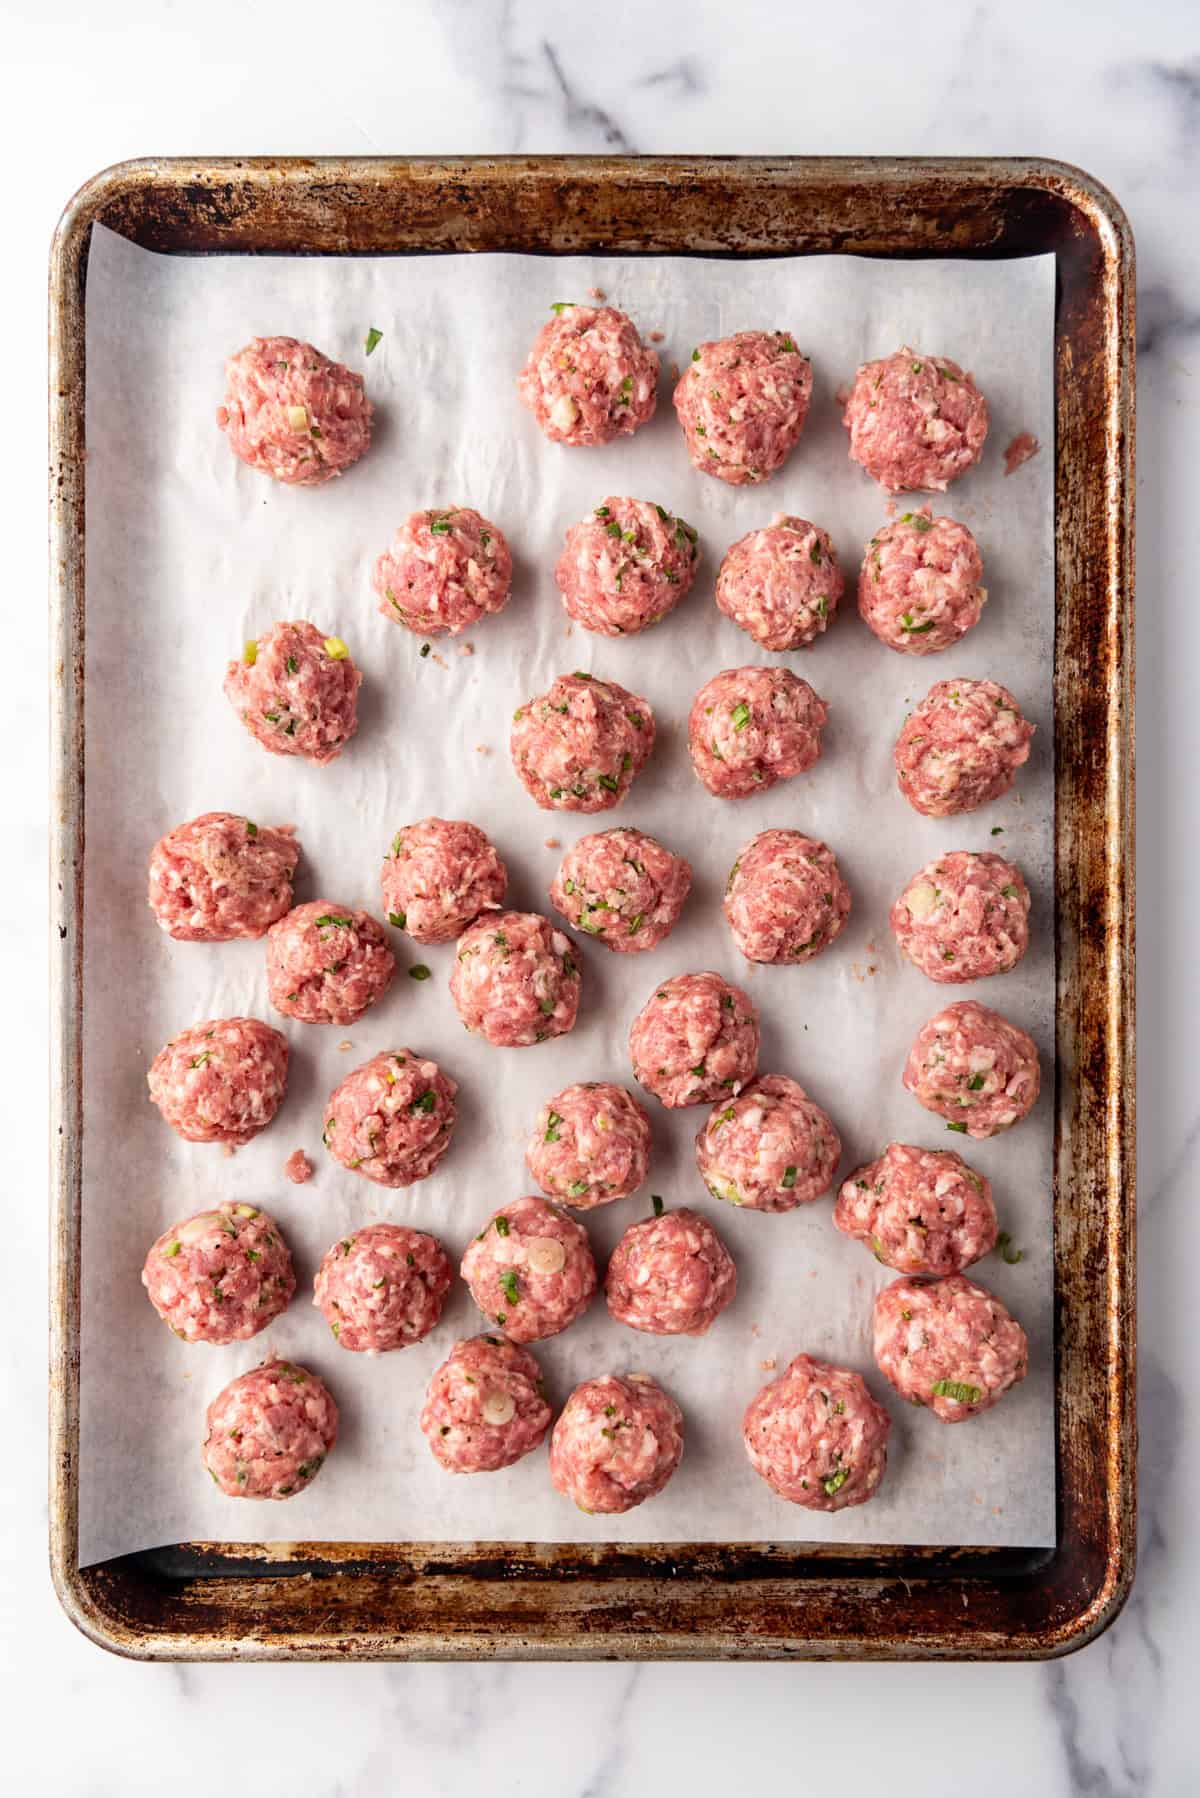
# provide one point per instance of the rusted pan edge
(491, 1601)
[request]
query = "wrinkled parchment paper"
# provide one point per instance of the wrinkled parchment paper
(189, 553)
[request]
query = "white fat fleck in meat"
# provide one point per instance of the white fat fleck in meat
(292, 413)
(444, 571)
(514, 1272)
(916, 422)
(949, 1345)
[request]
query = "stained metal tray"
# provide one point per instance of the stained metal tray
(759, 1600)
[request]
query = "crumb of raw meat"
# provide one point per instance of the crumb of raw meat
(890, 508)
(770, 1364)
(554, 842)
(598, 294)
(674, 371)
(482, 749)
(1023, 446)
(345, 1043)
(229, 1148)
(298, 1168)
(755, 1330)
(842, 396)
(439, 659)
(656, 336)
(466, 649)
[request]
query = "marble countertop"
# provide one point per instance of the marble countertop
(1119, 94)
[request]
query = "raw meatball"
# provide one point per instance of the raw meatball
(269, 1432)
(915, 422)
(972, 1066)
(485, 1407)
(750, 727)
(221, 1081)
(623, 888)
(617, 1443)
(921, 584)
(589, 377)
(382, 1288)
(578, 747)
(439, 876)
(515, 980)
(963, 917)
(817, 1436)
(590, 1145)
(695, 1040)
(625, 566)
(785, 900)
(670, 1275)
(531, 1270)
(327, 963)
(922, 1211)
(221, 876)
(296, 691)
(444, 571)
(948, 1344)
(292, 413)
(742, 404)
(770, 1149)
(392, 1118)
(222, 1276)
(782, 584)
(961, 747)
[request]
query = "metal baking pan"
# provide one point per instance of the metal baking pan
(739, 1600)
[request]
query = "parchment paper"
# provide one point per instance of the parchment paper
(189, 553)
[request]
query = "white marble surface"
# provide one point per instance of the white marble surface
(1113, 87)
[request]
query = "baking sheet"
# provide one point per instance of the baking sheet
(189, 553)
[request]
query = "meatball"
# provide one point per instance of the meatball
(382, 1288)
(327, 963)
(292, 413)
(970, 1065)
(670, 1275)
(515, 980)
(625, 566)
(963, 917)
(817, 1436)
(589, 377)
(948, 1344)
(485, 1407)
(220, 877)
(220, 1081)
(616, 1443)
(590, 1145)
(742, 403)
(750, 727)
(785, 900)
(921, 584)
(444, 571)
(623, 887)
(269, 1432)
(922, 1211)
(781, 584)
(391, 1119)
(222, 1276)
(531, 1270)
(961, 748)
(916, 422)
(578, 747)
(296, 691)
(439, 876)
(770, 1149)
(695, 1040)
